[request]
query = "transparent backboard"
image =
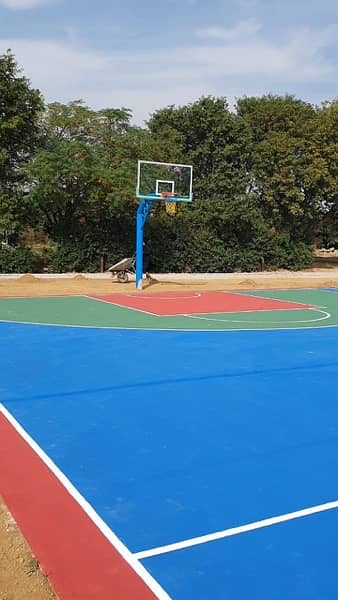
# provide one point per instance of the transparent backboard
(167, 181)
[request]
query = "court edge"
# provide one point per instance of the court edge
(91, 557)
(172, 330)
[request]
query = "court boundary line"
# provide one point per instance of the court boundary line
(120, 305)
(292, 289)
(236, 312)
(158, 296)
(41, 297)
(87, 508)
(173, 329)
(327, 316)
(225, 533)
(243, 293)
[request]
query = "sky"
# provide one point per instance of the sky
(147, 54)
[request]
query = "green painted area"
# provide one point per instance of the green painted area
(87, 312)
(315, 297)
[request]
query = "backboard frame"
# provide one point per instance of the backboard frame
(157, 195)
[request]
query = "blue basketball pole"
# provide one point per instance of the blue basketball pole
(141, 217)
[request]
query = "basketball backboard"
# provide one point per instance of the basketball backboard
(156, 180)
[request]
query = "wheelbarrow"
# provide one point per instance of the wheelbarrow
(122, 269)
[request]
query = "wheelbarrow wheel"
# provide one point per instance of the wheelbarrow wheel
(122, 277)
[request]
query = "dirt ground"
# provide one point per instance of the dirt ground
(30, 285)
(20, 576)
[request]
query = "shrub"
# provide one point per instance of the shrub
(17, 260)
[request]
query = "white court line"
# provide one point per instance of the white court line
(219, 535)
(250, 310)
(41, 297)
(326, 314)
(166, 298)
(130, 558)
(293, 289)
(243, 293)
(140, 310)
(170, 329)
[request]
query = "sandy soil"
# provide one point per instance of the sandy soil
(20, 576)
(30, 285)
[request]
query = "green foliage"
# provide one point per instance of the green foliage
(282, 130)
(265, 180)
(20, 106)
(213, 140)
(69, 186)
(238, 239)
(110, 241)
(17, 260)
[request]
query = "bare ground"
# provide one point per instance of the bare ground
(20, 575)
(33, 286)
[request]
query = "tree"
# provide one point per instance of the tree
(71, 175)
(246, 180)
(20, 107)
(83, 179)
(283, 131)
(77, 122)
(217, 143)
(68, 184)
(323, 173)
(213, 140)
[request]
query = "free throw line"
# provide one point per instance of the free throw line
(218, 535)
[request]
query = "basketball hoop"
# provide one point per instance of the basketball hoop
(170, 206)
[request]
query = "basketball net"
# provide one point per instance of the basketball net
(170, 207)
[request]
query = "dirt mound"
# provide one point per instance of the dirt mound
(78, 277)
(29, 278)
(249, 283)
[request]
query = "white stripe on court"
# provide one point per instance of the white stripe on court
(219, 535)
(112, 303)
(326, 314)
(170, 329)
(129, 558)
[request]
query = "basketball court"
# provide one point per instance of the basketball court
(174, 445)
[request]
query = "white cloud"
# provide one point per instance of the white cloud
(249, 27)
(22, 4)
(234, 64)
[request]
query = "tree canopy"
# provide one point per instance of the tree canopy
(265, 181)
(20, 108)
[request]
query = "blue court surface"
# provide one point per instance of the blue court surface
(175, 435)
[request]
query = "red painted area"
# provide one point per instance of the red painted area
(195, 303)
(79, 561)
